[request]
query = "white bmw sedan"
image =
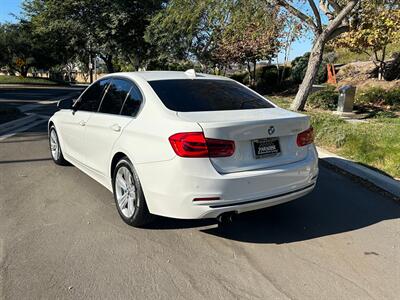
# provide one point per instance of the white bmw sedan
(184, 145)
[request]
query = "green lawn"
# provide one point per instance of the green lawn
(375, 143)
(4, 79)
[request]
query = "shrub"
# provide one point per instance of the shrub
(378, 96)
(325, 99)
(392, 71)
(239, 77)
(392, 97)
(267, 76)
(384, 115)
(299, 68)
(268, 79)
(374, 95)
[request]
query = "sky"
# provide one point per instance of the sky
(8, 7)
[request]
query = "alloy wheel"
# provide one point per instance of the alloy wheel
(54, 145)
(125, 191)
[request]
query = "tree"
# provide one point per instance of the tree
(338, 13)
(89, 28)
(215, 32)
(188, 29)
(21, 49)
(291, 32)
(377, 26)
(252, 34)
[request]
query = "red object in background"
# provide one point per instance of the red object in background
(331, 74)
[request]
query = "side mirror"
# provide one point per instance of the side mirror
(65, 104)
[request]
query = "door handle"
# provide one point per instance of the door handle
(82, 123)
(116, 127)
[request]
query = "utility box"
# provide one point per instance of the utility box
(347, 94)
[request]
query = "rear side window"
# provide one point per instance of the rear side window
(187, 95)
(132, 102)
(115, 96)
(90, 99)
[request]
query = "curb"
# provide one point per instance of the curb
(383, 182)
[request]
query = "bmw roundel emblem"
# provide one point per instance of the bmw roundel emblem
(271, 130)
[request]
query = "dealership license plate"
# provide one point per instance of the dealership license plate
(266, 147)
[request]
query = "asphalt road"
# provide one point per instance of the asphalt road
(61, 237)
(16, 97)
(35, 94)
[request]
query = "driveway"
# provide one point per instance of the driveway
(61, 237)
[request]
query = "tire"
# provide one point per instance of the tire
(55, 148)
(133, 208)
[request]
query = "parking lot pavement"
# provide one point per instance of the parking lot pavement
(61, 237)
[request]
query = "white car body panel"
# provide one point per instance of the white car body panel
(72, 126)
(169, 182)
(101, 133)
(197, 178)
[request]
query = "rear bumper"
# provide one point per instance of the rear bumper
(171, 186)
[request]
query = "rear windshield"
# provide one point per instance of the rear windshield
(187, 95)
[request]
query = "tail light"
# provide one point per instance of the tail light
(194, 144)
(306, 137)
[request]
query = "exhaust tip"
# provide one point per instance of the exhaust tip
(227, 217)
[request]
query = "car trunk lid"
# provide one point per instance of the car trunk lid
(254, 131)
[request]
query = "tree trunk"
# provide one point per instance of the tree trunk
(250, 74)
(108, 61)
(312, 70)
(254, 73)
(90, 67)
(109, 64)
(380, 71)
(24, 71)
(382, 63)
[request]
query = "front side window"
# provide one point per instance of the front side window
(90, 99)
(115, 96)
(132, 102)
(187, 95)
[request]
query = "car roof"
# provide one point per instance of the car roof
(166, 75)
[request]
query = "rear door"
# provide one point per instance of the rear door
(73, 123)
(118, 108)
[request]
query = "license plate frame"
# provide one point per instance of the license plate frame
(267, 142)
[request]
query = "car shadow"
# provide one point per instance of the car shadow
(336, 205)
(24, 160)
(28, 140)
